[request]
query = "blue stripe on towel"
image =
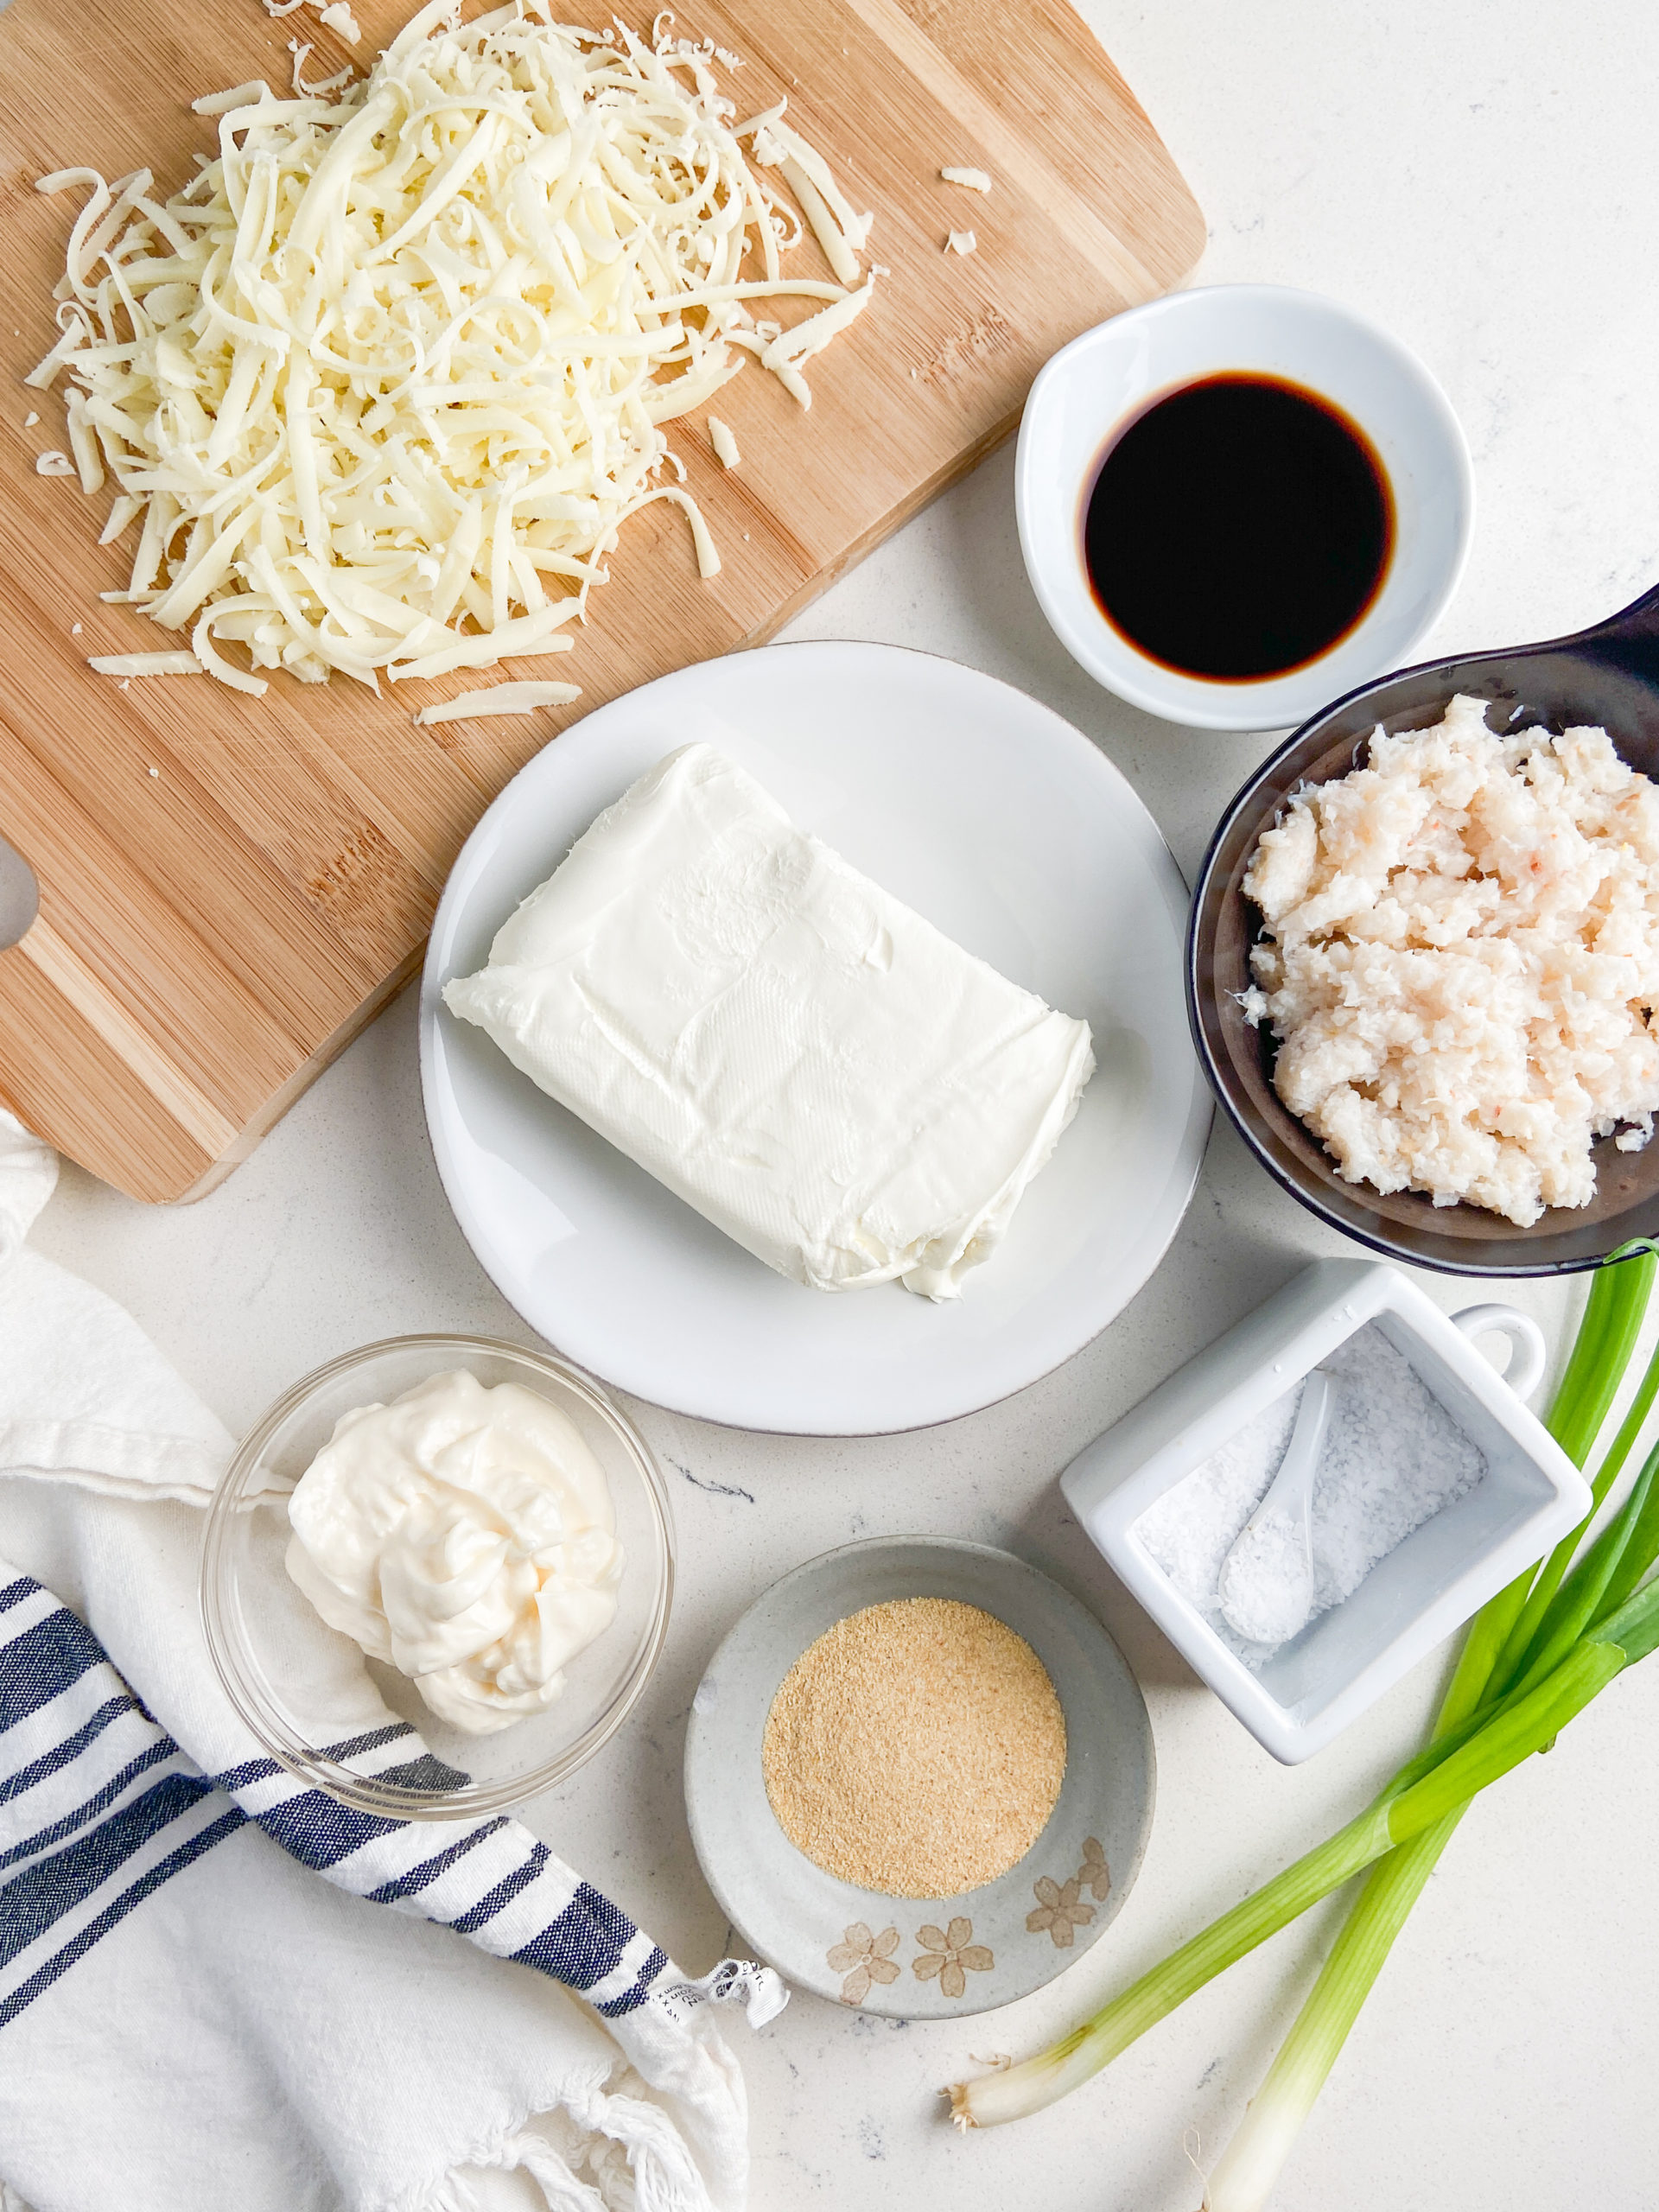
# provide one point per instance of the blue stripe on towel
(245, 1776)
(320, 1831)
(427, 1772)
(42, 1663)
(582, 1946)
(404, 1886)
(641, 1990)
(252, 1770)
(584, 1943)
(99, 1803)
(32, 1901)
(349, 1746)
(504, 1892)
(60, 1755)
(117, 1909)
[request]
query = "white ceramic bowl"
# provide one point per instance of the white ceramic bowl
(1094, 387)
(821, 1933)
(1530, 1496)
(359, 1729)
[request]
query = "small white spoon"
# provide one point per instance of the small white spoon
(1266, 1584)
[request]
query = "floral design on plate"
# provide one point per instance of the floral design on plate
(1094, 1874)
(863, 1958)
(951, 1955)
(1059, 1912)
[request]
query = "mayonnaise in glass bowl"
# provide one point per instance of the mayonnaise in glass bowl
(342, 1722)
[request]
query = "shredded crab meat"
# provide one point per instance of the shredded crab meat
(386, 381)
(1460, 961)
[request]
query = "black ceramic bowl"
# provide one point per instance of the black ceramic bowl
(1607, 677)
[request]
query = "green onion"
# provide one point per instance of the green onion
(1521, 1619)
(1619, 1324)
(1593, 1588)
(1601, 1351)
(1512, 1731)
(1244, 2176)
(1490, 1720)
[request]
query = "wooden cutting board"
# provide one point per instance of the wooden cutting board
(230, 887)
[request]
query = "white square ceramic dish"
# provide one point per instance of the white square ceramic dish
(1313, 1686)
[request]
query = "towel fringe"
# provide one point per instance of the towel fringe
(536, 2156)
(665, 2176)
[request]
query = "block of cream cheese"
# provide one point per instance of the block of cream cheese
(817, 1069)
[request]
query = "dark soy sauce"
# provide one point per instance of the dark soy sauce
(1238, 528)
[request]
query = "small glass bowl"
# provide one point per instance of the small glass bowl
(264, 1634)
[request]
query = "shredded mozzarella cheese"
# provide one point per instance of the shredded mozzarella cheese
(301, 54)
(960, 242)
(724, 442)
(499, 699)
(969, 179)
(145, 664)
(387, 378)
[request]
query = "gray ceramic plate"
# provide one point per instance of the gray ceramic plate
(921, 1958)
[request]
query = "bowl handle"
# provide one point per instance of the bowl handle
(1631, 638)
(1527, 1352)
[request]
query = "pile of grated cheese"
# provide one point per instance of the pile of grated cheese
(385, 381)
(1461, 961)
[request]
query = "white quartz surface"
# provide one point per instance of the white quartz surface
(1482, 179)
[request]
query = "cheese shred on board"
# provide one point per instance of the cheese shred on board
(385, 381)
(499, 699)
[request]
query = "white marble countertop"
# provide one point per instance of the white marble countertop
(1480, 179)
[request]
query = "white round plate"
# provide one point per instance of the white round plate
(1006, 829)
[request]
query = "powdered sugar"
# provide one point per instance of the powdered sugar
(1393, 1457)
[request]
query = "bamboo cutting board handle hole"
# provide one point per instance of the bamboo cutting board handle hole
(20, 895)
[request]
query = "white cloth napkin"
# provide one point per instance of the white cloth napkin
(204, 2000)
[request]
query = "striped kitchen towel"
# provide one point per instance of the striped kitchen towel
(183, 2002)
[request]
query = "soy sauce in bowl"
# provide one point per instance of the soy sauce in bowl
(1238, 528)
